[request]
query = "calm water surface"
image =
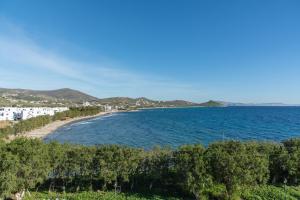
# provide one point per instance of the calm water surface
(174, 127)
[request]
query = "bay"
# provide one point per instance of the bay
(178, 126)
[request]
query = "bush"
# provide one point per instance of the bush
(268, 192)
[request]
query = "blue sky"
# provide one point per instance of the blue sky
(239, 51)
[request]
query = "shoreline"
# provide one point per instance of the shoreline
(41, 132)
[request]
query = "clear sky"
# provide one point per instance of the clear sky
(238, 51)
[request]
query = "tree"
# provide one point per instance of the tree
(84, 165)
(191, 168)
(278, 161)
(235, 164)
(27, 164)
(33, 159)
(292, 161)
(155, 167)
(9, 166)
(115, 164)
(56, 154)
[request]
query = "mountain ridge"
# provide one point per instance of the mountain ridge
(71, 97)
(67, 96)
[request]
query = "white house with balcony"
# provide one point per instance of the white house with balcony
(8, 113)
(16, 113)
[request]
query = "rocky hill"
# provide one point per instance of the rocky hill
(212, 103)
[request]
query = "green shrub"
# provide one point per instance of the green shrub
(268, 192)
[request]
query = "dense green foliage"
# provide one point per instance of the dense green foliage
(235, 164)
(37, 122)
(96, 196)
(223, 170)
(251, 193)
(268, 192)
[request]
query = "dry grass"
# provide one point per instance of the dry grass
(4, 124)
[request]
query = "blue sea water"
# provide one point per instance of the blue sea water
(178, 126)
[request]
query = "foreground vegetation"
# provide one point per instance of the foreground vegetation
(96, 196)
(37, 122)
(268, 192)
(251, 193)
(223, 170)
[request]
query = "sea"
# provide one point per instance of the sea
(173, 127)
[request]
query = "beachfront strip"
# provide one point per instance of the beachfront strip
(22, 113)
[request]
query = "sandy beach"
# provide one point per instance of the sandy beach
(45, 130)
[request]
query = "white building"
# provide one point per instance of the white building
(15, 113)
(108, 108)
(7, 113)
(85, 104)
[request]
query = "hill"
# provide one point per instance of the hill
(43, 97)
(70, 97)
(212, 104)
(67, 94)
(144, 102)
